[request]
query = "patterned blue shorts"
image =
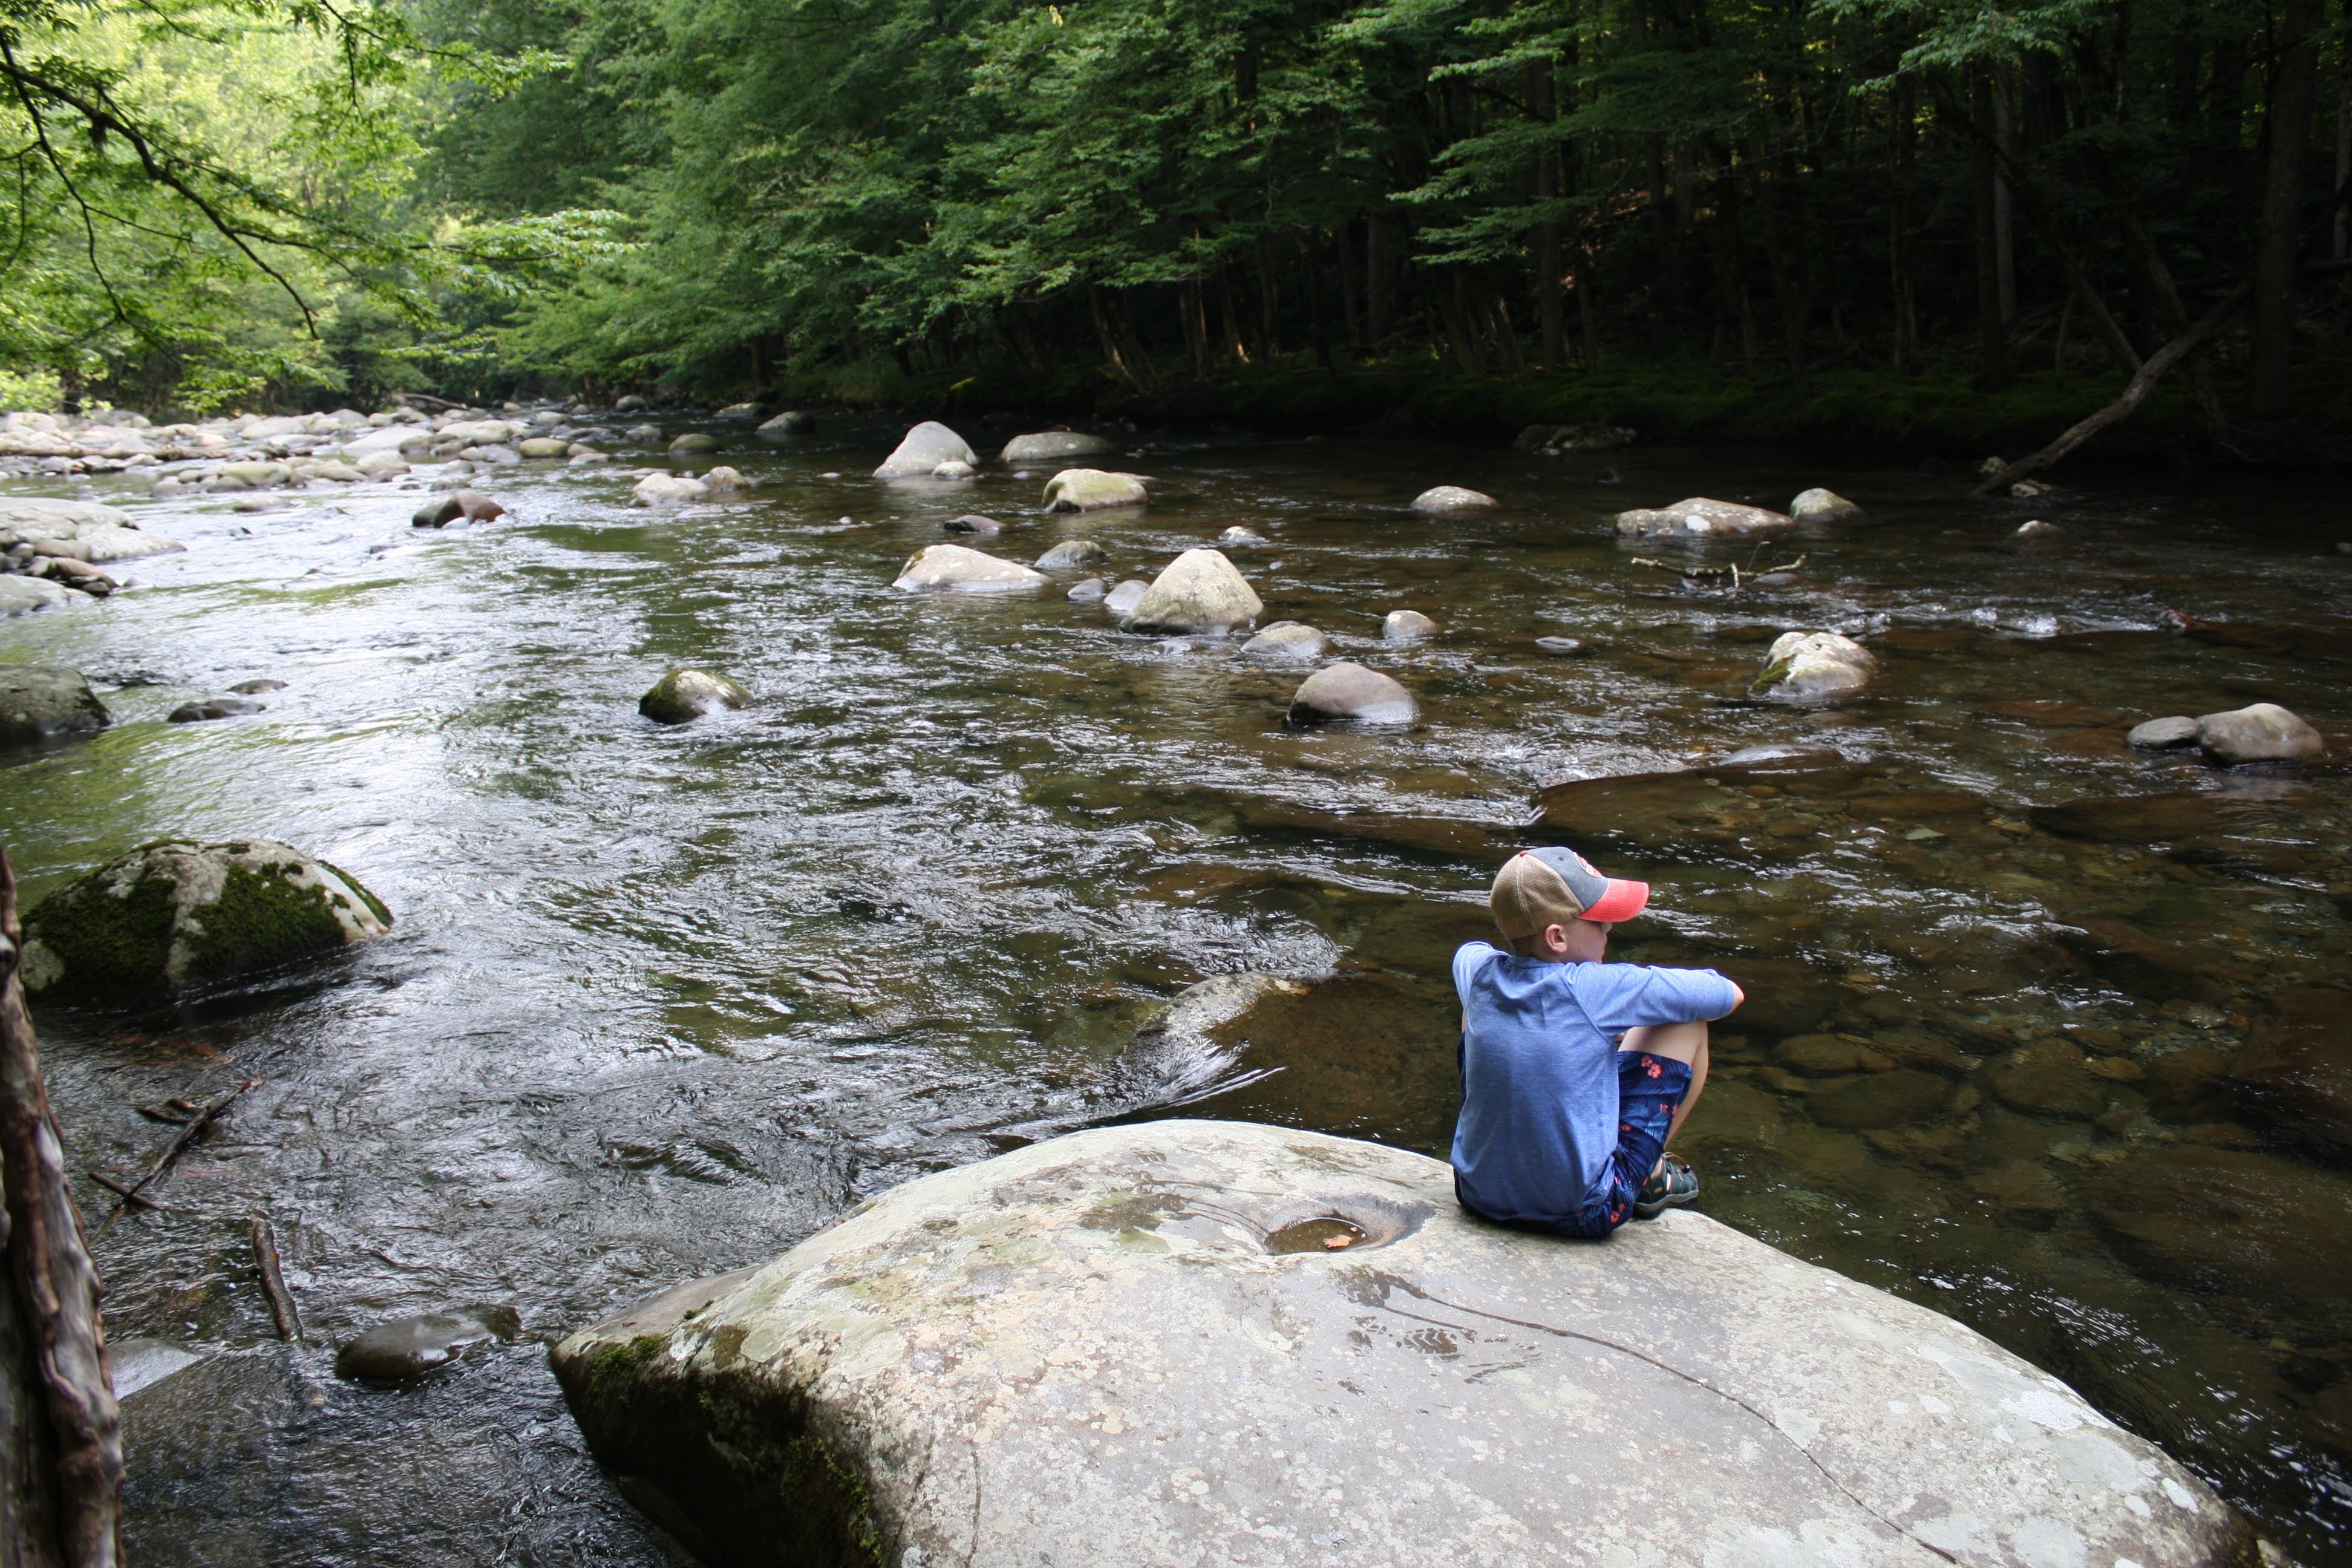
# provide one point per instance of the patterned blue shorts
(1648, 1090)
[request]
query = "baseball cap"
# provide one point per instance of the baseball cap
(1538, 887)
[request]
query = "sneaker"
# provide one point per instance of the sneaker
(1673, 1185)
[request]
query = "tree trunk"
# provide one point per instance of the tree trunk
(2270, 363)
(1453, 300)
(1788, 282)
(1549, 322)
(1230, 313)
(2004, 220)
(1992, 334)
(1584, 316)
(1194, 308)
(1376, 281)
(1351, 287)
(1266, 299)
(1906, 129)
(61, 1472)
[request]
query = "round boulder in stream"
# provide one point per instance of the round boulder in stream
(1451, 497)
(1054, 446)
(1806, 666)
(956, 568)
(1346, 693)
(684, 695)
(924, 448)
(40, 702)
(1288, 642)
(1817, 505)
(1093, 490)
(1109, 1348)
(411, 1347)
(178, 916)
(2264, 732)
(1198, 591)
(1701, 517)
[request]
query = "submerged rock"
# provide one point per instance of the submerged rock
(1200, 591)
(39, 702)
(694, 441)
(1877, 1099)
(472, 506)
(975, 524)
(2264, 732)
(178, 916)
(1822, 506)
(2163, 734)
(1093, 591)
(1451, 497)
(954, 470)
(1288, 642)
(1240, 538)
(922, 449)
(1701, 517)
(1804, 666)
(1348, 693)
(210, 708)
(1071, 554)
(2295, 1072)
(411, 1347)
(684, 695)
(2267, 1231)
(952, 568)
(791, 422)
(2039, 532)
(1092, 490)
(723, 479)
(1064, 1352)
(544, 446)
(1562, 648)
(19, 595)
(1407, 625)
(1121, 600)
(1054, 446)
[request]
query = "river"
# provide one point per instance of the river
(660, 1002)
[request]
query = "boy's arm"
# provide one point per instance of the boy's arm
(1644, 995)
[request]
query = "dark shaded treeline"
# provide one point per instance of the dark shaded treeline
(1168, 194)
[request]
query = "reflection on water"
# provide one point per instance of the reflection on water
(660, 1002)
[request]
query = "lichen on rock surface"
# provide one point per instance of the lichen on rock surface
(177, 916)
(1099, 1350)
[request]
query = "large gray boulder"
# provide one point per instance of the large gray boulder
(1054, 446)
(1817, 505)
(1135, 1345)
(41, 700)
(955, 569)
(1451, 497)
(178, 916)
(1703, 518)
(2264, 732)
(1803, 667)
(20, 594)
(85, 530)
(1200, 591)
(924, 448)
(1346, 694)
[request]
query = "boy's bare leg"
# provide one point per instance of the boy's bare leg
(1676, 1042)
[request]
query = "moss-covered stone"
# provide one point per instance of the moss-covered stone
(39, 701)
(177, 916)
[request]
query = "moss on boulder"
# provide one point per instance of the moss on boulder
(177, 916)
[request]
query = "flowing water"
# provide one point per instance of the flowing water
(660, 1002)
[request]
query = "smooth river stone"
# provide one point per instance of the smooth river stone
(1451, 497)
(2295, 1072)
(2264, 732)
(953, 569)
(2163, 734)
(1819, 505)
(1051, 445)
(1407, 625)
(923, 450)
(1092, 490)
(2049, 1078)
(1348, 693)
(1072, 553)
(684, 695)
(39, 702)
(1703, 517)
(411, 1347)
(2259, 1228)
(1288, 642)
(1879, 1099)
(1198, 592)
(1096, 1350)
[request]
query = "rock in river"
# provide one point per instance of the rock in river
(684, 695)
(975, 524)
(1801, 667)
(1200, 591)
(925, 447)
(1822, 506)
(694, 441)
(84, 530)
(1701, 517)
(1288, 642)
(1123, 597)
(791, 422)
(1407, 625)
(471, 505)
(2163, 734)
(411, 1347)
(1072, 553)
(1344, 693)
(1092, 490)
(177, 916)
(2264, 732)
(40, 700)
(1108, 1348)
(955, 569)
(1451, 497)
(1054, 446)
(206, 709)
(2295, 1072)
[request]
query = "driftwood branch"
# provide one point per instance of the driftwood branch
(2158, 364)
(131, 1195)
(273, 1282)
(179, 1141)
(1718, 574)
(57, 1286)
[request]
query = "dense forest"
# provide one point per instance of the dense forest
(1182, 206)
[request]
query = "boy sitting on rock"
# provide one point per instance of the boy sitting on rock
(1575, 1073)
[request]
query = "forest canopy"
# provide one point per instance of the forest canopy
(732, 196)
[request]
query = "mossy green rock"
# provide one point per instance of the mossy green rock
(178, 916)
(38, 701)
(684, 695)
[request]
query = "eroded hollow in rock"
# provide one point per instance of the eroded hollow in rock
(1325, 1233)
